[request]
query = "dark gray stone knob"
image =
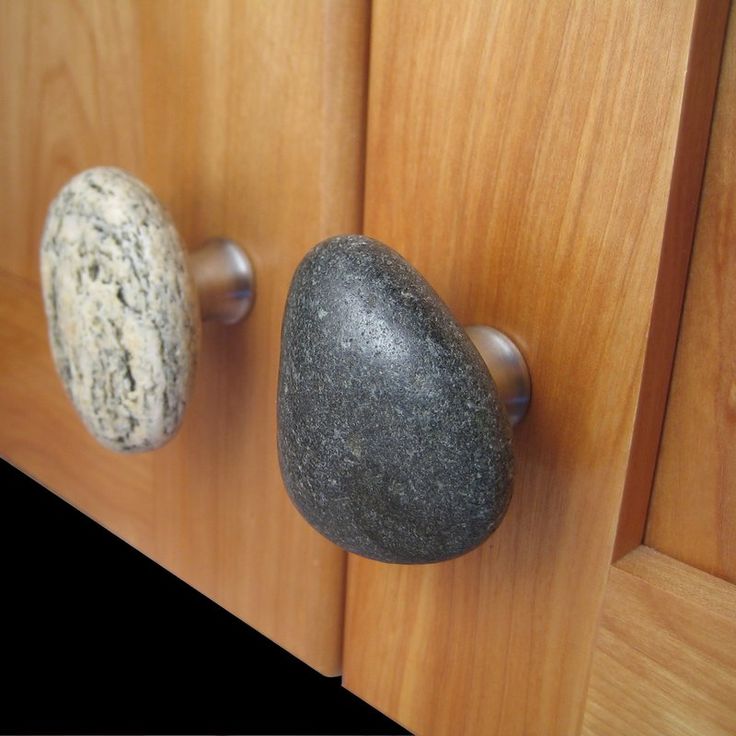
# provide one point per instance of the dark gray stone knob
(393, 440)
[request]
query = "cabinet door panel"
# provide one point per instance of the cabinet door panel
(693, 512)
(540, 163)
(247, 119)
(665, 655)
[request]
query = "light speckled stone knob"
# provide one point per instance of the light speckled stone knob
(123, 309)
(394, 440)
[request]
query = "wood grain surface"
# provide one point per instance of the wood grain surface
(524, 156)
(665, 658)
(693, 511)
(41, 433)
(697, 110)
(247, 120)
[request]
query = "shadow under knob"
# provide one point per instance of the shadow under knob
(122, 306)
(393, 439)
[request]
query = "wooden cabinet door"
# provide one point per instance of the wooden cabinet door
(665, 653)
(541, 164)
(246, 119)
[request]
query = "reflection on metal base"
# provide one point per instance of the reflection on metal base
(223, 276)
(507, 367)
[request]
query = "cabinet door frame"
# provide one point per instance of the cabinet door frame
(503, 639)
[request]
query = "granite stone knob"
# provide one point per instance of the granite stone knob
(123, 304)
(394, 440)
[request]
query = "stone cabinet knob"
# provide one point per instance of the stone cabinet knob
(394, 423)
(123, 302)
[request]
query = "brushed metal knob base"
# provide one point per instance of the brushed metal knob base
(507, 367)
(224, 278)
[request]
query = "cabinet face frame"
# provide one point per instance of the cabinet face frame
(577, 245)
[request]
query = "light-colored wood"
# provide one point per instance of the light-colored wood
(702, 75)
(693, 512)
(40, 432)
(665, 658)
(683, 581)
(525, 156)
(247, 120)
(70, 97)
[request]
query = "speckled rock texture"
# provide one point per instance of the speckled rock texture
(392, 441)
(122, 312)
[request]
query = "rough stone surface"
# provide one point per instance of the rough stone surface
(122, 313)
(392, 441)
